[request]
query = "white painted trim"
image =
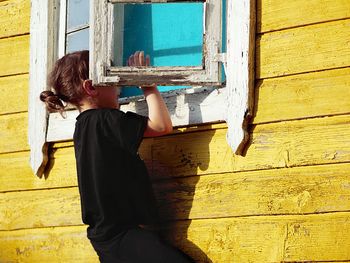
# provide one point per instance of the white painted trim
(62, 28)
(99, 47)
(189, 106)
(42, 53)
(240, 71)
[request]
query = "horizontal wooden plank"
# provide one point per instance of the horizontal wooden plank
(14, 93)
(302, 96)
(307, 189)
(16, 173)
(15, 51)
(14, 17)
(41, 208)
(56, 244)
(303, 49)
(318, 237)
(280, 14)
(272, 145)
(13, 132)
(311, 189)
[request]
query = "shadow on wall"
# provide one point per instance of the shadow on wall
(175, 162)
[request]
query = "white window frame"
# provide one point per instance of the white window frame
(102, 71)
(233, 103)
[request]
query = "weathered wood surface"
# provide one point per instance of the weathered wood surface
(13, 132)
(15, 51)
(282, 144)
(240, 72)
(54, 244)
(303, 49)
(301, 190)
(312, 155)
(317, 237)
(322, 93)
(43, 53)
(14, 17)
(14, 94)
(280, 14)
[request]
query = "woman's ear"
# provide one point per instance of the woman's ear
(89, 88)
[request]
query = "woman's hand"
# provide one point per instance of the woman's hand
(159, 122)
(138, 60)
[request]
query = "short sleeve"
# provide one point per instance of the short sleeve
(127, 129)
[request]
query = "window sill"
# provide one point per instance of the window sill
(191, 106)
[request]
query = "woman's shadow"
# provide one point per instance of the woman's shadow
(173, 167)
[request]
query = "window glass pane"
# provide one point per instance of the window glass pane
(78, 40)
(77, 13)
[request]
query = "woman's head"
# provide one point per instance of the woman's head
(70, 80)
(66, 79)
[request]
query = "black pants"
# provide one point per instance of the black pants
(138, 245)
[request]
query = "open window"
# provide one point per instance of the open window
(106, 70)
(210, 95)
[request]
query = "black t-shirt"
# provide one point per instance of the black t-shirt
(114, 185)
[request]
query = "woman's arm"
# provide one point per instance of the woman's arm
(159, 122)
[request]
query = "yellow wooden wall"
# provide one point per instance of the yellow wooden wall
(288, 199)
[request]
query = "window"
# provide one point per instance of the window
(54, 32)
(103, 72)
(73, 26)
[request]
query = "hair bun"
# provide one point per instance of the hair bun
(46, 94)
(52, 101)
